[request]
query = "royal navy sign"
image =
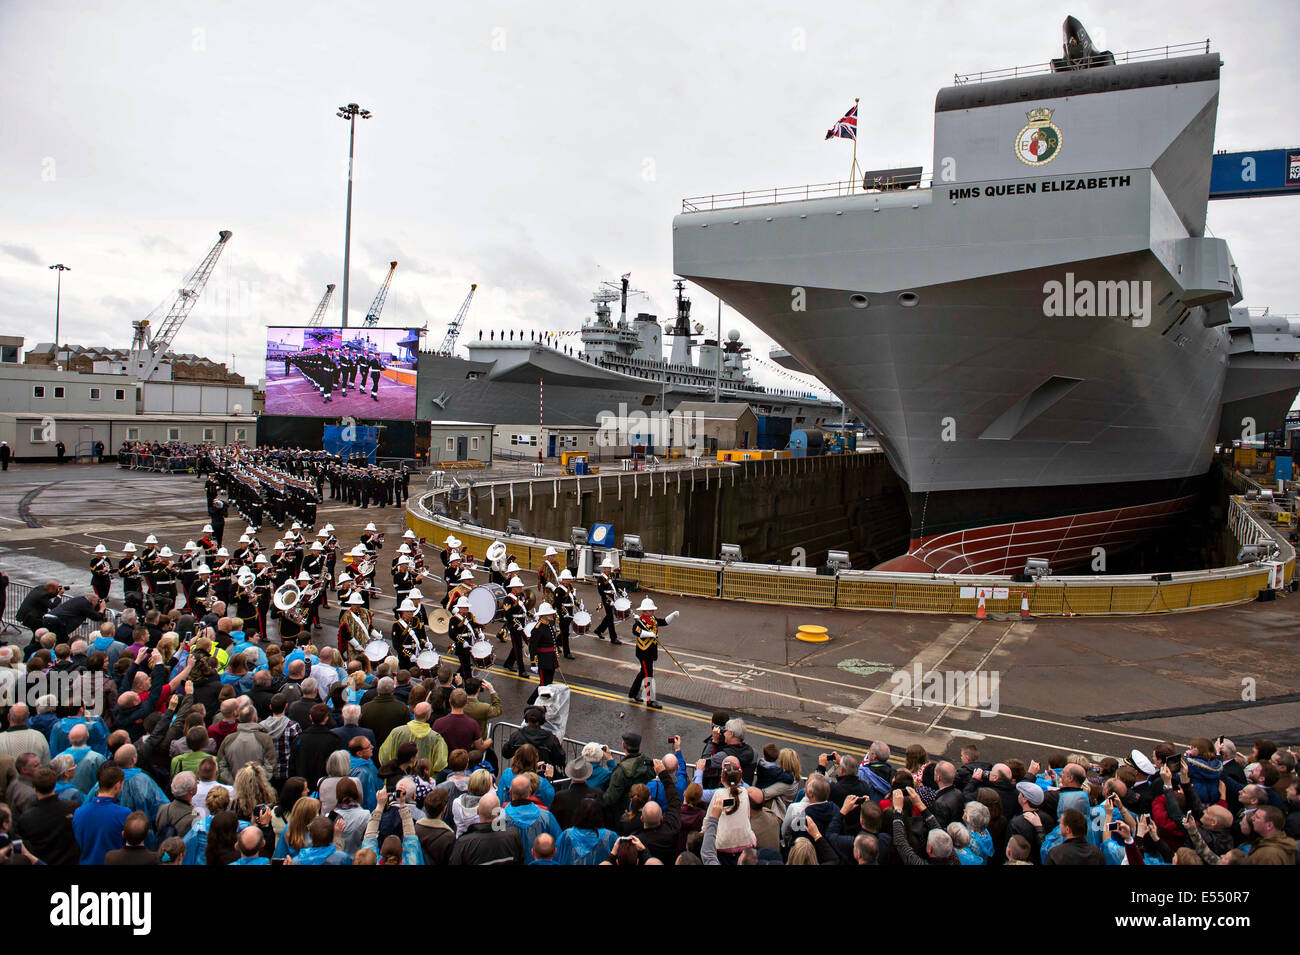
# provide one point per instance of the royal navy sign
(1265, 172)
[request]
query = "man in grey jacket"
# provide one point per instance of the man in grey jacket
(250, 743)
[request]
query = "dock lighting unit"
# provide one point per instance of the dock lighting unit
(514, 526)
(1254, 553)
(349, 112)
(837, 560)
(578, 536)
(1036, 567)
(632, 546)
(730, 553)
(60, 268)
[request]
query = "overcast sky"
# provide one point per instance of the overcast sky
(533, 148)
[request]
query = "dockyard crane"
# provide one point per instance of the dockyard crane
(148, 350)
(377, 306)
(319, 315)
(453, 329)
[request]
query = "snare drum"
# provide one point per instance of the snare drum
(581, 623)
(622, 608)
(378, 650)
(427, 660)
(485, 601)
(482, 653)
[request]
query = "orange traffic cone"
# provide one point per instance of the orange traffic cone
(1024, 606)
(980, 612)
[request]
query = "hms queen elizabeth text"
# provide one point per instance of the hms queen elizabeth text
(1041, 187)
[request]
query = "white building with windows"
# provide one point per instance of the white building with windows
(520, 441)
(41, 406)
(459, 441)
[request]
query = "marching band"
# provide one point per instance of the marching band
(290, 583)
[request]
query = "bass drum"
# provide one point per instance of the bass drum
(485, 602)
(483, 654)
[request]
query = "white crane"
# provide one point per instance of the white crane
(148, 350)
(453, 329)
(319, 315)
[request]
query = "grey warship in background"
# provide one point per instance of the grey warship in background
(619, 362)
(1043, 337)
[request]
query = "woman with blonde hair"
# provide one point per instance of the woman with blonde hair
(252, 789)
(785, 789)
(356, 687)
(167, 646)
(294, 838)
(802, 853)
(464, 808)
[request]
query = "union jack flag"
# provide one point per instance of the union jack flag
(846, 127)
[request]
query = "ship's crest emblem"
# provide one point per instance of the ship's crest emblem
(1040, 141)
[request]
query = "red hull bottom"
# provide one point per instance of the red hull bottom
(1066, 541)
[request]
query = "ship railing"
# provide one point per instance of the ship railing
(780, 194)
(1165, 52)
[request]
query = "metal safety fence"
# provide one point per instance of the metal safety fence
(915, 593)
(163, 463)
(13, 631)
(501, 732)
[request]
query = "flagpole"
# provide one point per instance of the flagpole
(853, 171)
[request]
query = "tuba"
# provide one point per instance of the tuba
(293, 602)
(286, 596)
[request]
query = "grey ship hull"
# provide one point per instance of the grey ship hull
(1018, 433)
(505, 391)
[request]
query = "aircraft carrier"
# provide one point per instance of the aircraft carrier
(1043, 336)
(619, 362)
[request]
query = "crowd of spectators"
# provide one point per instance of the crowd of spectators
(203, 745)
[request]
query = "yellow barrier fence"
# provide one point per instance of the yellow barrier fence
(855, 590)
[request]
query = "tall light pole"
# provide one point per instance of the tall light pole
(350, 113)
(58, 295)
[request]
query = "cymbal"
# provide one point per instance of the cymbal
(439, 621)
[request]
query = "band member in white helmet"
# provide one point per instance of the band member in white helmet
(645, 628)
(406, 640)
(608, 594)
(548, 574)
(565, 604)
(542, 645)
(128, 568)
(514, 613)
(461, 633)
(101, 571)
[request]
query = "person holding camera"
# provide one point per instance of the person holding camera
(67, 616)
(38, 602)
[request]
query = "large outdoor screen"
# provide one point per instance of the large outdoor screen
(331, 372)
